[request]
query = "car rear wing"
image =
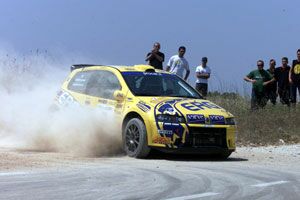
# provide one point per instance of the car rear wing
(79, 66)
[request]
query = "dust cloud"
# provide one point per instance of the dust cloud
(28, 85)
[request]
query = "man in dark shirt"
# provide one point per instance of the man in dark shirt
(271, 89)
(259, 79)
(155, 58)
(281, 75)
(294, 78)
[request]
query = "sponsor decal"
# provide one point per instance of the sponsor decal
(103, 101)
(196, 119)
(105, 107)
(208, 125)
(217, 119)
(166, 109)
(151, 74)
(143, 106)
(170, 130)
(129, 68)
(175, 128)
(65, 99)
(162, 140)
(165, 132)
(129, 99)
(195, 106)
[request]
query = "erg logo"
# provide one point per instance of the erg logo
(195, 106)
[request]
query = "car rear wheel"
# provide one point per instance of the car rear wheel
(135, 139)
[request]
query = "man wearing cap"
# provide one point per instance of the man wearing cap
(202, 74)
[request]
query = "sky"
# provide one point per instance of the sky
(233, 34)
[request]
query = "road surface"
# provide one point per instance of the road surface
(250, 173)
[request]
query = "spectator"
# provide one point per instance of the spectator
(155, 58)
(294, 78)
(259, 79)
(202, 74)
(281, 75)
(177, 64)
(271, 89)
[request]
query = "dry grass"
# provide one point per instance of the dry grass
(273, 125)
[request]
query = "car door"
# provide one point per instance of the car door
(100, 90)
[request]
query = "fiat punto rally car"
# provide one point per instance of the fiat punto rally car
(154, 109)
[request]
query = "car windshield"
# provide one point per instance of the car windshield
(158, 84)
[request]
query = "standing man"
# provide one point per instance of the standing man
(259, 79)
(202, 74)
(281, 75)
(155, 58)
(271, 89)
(294, 78)
(177, 64)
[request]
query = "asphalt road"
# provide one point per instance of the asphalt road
(176, 178)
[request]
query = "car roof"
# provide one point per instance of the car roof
(135, 68)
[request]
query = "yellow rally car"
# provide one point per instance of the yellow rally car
(155, 109)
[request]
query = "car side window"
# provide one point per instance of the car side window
(79, 81)
(102, 84)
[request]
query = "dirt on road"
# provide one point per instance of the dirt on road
(21, 159)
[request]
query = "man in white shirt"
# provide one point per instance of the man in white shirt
(177, 64)
(202, 74)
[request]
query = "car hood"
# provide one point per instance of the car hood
(183, 106)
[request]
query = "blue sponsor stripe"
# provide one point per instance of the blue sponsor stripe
(156, 121)
(182, 116)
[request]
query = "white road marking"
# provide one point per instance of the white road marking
(207, 194)
(270, 184)
(12, 173)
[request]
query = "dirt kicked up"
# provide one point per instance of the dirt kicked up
(28, 86)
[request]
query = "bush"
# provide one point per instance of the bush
(268, 126)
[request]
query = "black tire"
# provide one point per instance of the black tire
(135, 139)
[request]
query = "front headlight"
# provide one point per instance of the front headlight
(230, 121)
(170, 118)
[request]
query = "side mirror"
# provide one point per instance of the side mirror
(119, 95)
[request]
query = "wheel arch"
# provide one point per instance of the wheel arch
(130, 116)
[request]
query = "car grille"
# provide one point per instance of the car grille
(205, 137)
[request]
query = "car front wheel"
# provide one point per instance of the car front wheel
(135, 139)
